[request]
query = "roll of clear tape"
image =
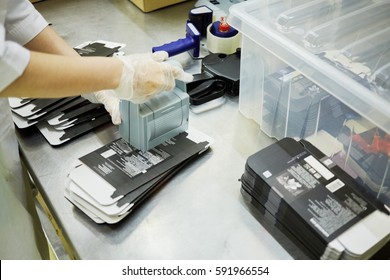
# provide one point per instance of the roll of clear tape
(226, 45)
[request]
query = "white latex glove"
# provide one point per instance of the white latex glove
(145, 75)
(110, 101)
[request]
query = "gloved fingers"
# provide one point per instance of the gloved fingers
(172, 73)
(160, 56)
(145, 75)
(111, 103)
(166, 82)
(112, 107)
(181, 75)
(91, 97)
(151, 78)
(114, 113)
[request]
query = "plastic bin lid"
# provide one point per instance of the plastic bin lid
(342, 45)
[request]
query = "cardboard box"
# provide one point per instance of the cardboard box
(151, 5)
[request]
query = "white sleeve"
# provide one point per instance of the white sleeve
(19, 23)
(22, 21)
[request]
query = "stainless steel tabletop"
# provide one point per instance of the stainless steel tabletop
(198, 214)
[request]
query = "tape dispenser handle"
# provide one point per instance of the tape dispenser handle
(190, 42)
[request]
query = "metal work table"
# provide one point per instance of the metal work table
(198, 214)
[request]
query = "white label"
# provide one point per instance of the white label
(319, 167)
(267, 174)
(328, 162)
(335, 185)
(108, 153)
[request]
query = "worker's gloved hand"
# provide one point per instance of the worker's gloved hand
(145, 75)
(110, 101)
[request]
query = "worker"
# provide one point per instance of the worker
(35, 62)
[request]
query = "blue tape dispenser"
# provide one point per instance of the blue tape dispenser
(190, 43)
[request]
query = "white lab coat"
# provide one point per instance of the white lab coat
(21, 236)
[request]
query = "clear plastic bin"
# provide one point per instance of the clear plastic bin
(320, 70)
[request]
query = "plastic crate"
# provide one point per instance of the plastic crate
(320, 70)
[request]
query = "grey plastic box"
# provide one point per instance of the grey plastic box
(159, 119)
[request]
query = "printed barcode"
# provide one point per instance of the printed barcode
(335, 185)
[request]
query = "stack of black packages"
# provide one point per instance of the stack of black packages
(63, 119)
(313, 202)
(294, 106)
(110, 182)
